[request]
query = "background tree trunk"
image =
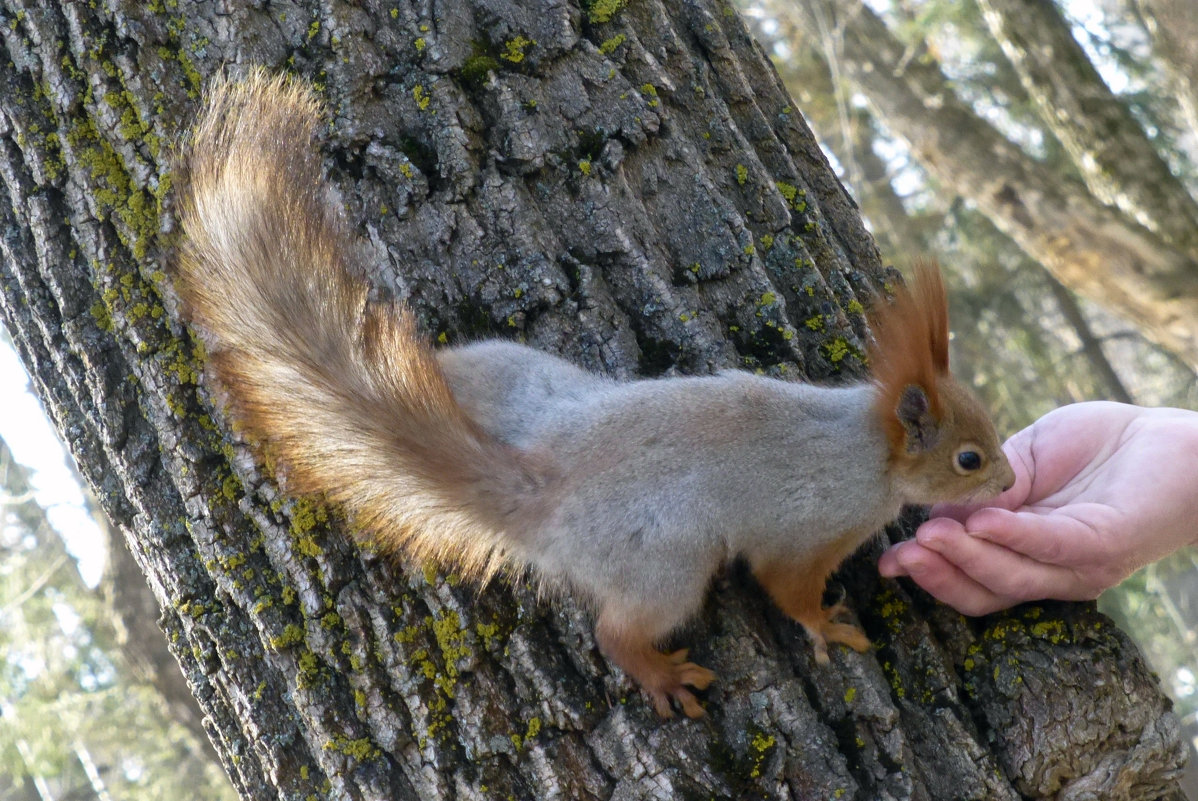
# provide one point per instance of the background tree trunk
(1174, 30)
(850, 131)
(1087, 246)
(1104, 141)
(628, 185)
(67, 669)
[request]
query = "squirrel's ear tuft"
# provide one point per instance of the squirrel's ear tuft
(919, 424)
(909, 354)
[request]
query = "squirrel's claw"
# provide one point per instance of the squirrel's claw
(672, 686)
(825, 630)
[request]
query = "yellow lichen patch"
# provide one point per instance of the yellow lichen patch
(309, 669)
(892, 609)
(490, 633)
(406, 635)
(761, 745)
(421, 97)
(513, 49)
(231, 487)
(305, 516)
(233, 562)
(291, 635)
(600, 11)
(534, 728)
(608, 46)
(102, 316)
(795, 197)
(896, 682)
(836, 350)
(451, 638)
(1052, 630)
(360, 749)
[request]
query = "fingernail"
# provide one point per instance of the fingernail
(889, 566)
(927, 536)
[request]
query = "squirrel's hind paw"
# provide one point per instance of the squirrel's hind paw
(672, 682)
(663, 677)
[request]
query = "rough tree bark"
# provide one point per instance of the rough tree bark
(134, 612)
(1089, 247)
(628, 185)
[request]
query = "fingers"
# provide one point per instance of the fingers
(940, 578)
(1055, 539)
(889, 564)
(976, 573)
(1005, 572)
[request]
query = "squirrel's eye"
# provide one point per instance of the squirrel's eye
(969, 461)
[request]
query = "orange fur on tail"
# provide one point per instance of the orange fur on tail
(345, 393)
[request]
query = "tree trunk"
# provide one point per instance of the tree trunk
(1089, 247)
(134, 612)
(627, 185)
(1106, 144)
(1174, 30)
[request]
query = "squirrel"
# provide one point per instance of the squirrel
(628, 494)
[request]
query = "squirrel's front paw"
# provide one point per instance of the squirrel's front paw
(826, 630)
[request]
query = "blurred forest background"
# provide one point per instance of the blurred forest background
(1045, 153)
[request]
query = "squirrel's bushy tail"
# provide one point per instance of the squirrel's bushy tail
(343, 392)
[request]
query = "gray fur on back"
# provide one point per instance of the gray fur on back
(680, 471)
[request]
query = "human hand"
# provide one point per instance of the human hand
(1100, 490)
